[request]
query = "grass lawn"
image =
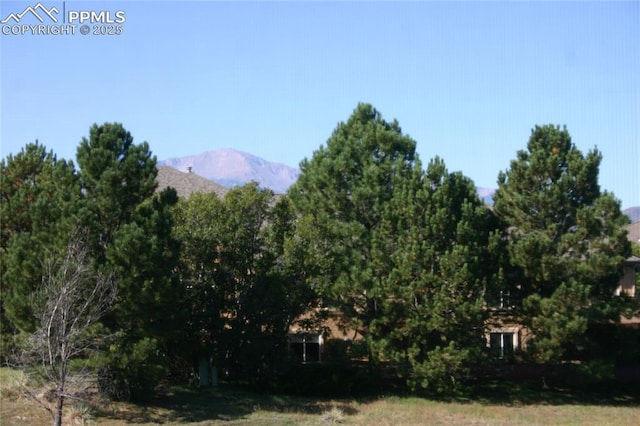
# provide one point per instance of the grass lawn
(492, 405)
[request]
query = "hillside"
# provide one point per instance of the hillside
(634, 232)
(486, 195)
(187, 183)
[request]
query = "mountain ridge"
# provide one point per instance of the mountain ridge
(230, 167)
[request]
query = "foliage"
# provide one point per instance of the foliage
(117, 176)
(135, 372)
(195, 228)
(240, 295)
(130, 228)
(398, 250)
(340, 196)
(434, 312)
(566, 240)
(38, 204)
(410, 257)
(329, 380)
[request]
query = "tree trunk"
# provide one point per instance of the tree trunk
(57, 421)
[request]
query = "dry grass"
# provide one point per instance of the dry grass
(411, 411)
(18, 406)
(233, 406)
(15, 407)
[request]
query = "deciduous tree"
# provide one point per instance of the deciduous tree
(240, 295)
(74, 296)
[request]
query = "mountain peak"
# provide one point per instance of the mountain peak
(230, 167)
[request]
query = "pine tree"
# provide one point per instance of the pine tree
(196, 228)
(39, 197)
(398, 250)
(566, 240)
(131, 229)
(433, 326)
(341, 195)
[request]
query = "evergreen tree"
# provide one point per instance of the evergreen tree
(240, 296)
(266, 300)
(398, 250)
(440, 266)
(39, 197)
(196, 228)
(566, 240)
(117, 176)
(341, 195)
(131, 229)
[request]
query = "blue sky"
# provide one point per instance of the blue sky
(467, 80)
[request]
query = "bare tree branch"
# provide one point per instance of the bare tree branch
(75, 297)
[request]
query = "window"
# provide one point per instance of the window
(503, 343)
(306, 347)
(501, 300)
(505, 300)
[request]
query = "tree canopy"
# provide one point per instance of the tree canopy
(39, 202)
(409, 258)
(131, 231)
(341, 196)
(398, 249)
(566, 240)
(241, 297)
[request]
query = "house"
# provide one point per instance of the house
(310, 334)
(506, 335)
(628, 283)
(504, 332)
(308, 342)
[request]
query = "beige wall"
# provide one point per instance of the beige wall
(628, 281)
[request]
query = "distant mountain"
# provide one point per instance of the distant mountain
(229, 167)
(486, 195)
(633, 213)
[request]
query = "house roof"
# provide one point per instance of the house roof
(186, 184)
(634, 232)
(633, 260)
